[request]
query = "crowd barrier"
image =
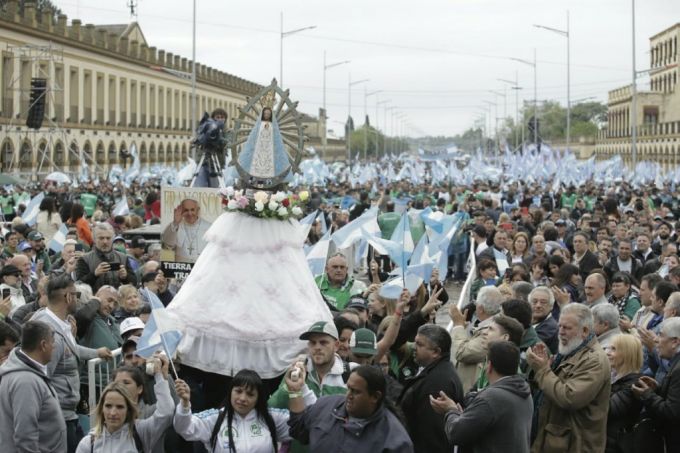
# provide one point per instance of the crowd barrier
(98, 376)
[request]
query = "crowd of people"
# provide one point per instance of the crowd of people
(567, 337)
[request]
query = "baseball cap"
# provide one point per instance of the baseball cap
(138, 242)
(358, 302)
(25, 246)
(363, 341)
(133, 340)
(322, 327)
(118, 238)
(9, 269)
(131, 323)
(35, 236)
(560, 222)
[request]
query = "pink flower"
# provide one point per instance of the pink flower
(243, 202)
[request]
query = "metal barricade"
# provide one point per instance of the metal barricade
(98, 375)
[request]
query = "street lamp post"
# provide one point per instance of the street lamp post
(390, 109)
(285, 34)
(366, 95)
(566, 34)
(326, 67)
(514, 85)
(377, 131)
(495, 105)
(529, 63)
(349, 103)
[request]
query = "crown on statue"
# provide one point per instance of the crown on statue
(268, 99)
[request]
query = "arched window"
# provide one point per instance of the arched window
(6, 154)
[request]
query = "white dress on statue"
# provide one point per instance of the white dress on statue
(249, 297)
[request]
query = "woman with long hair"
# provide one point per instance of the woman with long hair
(82, 226)
(625, 359)
(243, 423)
(519, 250)
(117, 425)
(48, 221)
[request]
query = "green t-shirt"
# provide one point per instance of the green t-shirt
(89, 203)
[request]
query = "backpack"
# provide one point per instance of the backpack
(135, 435)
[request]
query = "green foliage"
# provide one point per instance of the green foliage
(375, 142)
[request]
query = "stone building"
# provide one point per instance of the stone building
(108, 89)
(658, 109)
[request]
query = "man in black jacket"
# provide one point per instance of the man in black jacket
(499, 418)
(662, 403)
(432, 352)
(583, 258)
(103, 265)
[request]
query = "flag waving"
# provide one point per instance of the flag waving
(161, 332)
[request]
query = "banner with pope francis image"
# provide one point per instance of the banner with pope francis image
(186, 214)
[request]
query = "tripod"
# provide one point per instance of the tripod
(208, 173)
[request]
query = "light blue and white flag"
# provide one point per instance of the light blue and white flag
(121, 208)
(318, 254)
(162, 331)
(430, 219)
(307, 221)
(57, 242)
(31, 214)
(351, 232)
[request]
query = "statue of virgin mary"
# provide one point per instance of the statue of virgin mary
(264, 156)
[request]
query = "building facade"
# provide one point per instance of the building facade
(658, 109)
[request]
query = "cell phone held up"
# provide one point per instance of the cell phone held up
(115, 266)
(6, 293)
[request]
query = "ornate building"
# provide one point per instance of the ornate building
(658, 109)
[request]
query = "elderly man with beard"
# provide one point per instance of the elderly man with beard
(62, 298)
(103, 265)
(575, 387)
(336, 285)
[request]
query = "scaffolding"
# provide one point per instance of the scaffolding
(43, 60)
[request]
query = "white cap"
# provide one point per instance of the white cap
(132, 323)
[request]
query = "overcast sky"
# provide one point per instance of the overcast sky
(435, 61)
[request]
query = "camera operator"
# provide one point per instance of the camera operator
(211, 141)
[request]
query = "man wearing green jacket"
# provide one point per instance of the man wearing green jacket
(335, 285)
(324, 371)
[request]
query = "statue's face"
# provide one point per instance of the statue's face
(267, 114)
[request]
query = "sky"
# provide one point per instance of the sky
(433, 63)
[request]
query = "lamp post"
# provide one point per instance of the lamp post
(377, 131)
(366, 95)
(349, 115)
(285, 34)
(529, 63)
(565, 33)
(495, 105)
(390, 109)
(514, 85)
(326, 67)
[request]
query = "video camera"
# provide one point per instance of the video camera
(210, 134)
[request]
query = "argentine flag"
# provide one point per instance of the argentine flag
(31, 214)
(317, 255)
(57, 242)
(161, 331)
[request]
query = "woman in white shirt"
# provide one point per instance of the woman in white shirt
(48, 221)
(243, 423)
